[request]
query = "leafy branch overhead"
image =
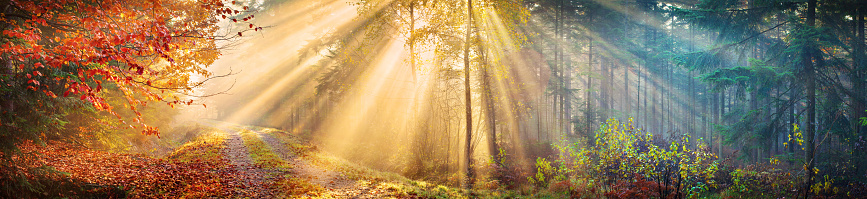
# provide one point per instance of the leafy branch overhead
(62, 48)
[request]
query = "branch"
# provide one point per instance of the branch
(748, 38)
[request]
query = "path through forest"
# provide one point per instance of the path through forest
(261, 182)
(249, 174)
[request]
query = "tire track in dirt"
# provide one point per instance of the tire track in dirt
(254, 180)
(336, 183)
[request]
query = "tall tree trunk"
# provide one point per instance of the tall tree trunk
(610, 95)
(469, 132)
(860, 74)
(539, 107)
(567, 97)
(722, 113)
(589, 111)
(792, 120)
(807, 60)
(603, 98)
(756, 131)
(860, 67)
(716, 121)
(692, 107)
(561, 67)
(692, 94)
(411, 40)
(566, 74)
(490, 108)
(627, 102)
(490, 112)
(655, 109)
(638, 89)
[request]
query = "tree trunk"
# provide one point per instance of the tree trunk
(722, 119)
(807, 60)
(469, 107)
(610, 89)
(411, 40)
(589, 111)
(626, 100)
(490, 108)
(860, 74)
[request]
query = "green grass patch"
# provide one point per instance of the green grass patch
(261, 153)
(294, 187)
(204, 148)
(293, 143)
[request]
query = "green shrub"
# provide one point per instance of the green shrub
(623, 159)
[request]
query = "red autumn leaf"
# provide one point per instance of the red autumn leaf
(118, 33)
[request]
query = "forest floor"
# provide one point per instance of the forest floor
(263, 155)
(223, 161)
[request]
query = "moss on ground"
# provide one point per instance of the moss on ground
(204, 148)
(261, 153)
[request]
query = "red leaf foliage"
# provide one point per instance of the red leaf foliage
(122, 42)
(139, 175)
(641, 188)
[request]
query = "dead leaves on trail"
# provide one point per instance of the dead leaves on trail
(217, 164)
(140, 176)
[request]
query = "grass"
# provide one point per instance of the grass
(293, 143)
(391, 185)
(261, 153)
(205, 148)
(298, 188)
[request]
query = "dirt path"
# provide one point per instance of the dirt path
(252, 178)
(337, 184)
(257, 182)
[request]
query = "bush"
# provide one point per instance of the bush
(626, 161)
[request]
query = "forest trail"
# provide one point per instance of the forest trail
(331, 180)
(251, 177)
(221, 160)
(292, 165)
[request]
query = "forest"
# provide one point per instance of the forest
(433, 99)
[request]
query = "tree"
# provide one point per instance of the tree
(807, 59)
(142, 48)
(68, 65)
(468, 98)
